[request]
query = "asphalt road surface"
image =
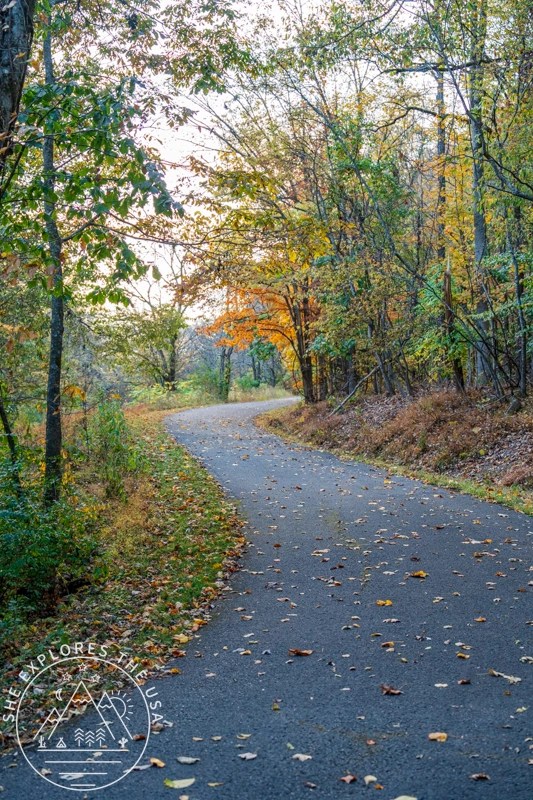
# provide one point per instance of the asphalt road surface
(331, 568)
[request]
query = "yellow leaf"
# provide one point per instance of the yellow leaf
(383, 602)
(74, 391)
(156, 762)
(438, 736)
(419, 574)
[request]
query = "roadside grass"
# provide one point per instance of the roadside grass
(165, 549)
(284, 422)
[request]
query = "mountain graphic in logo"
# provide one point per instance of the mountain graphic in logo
(106, 710)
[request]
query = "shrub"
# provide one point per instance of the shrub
(113, 450)
(247, 382)
(44, 553)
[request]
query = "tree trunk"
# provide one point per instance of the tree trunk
(519, 292)
(52, 474)
(479, 31)
(16, 34)
(441, 168)
(449, 328)
(12, 446)
(224, 373)
(256, 368)
(306, 368)
(172, 365)
(350, 372)
(321, 378)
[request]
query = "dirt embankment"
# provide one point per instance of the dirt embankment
(438, 432)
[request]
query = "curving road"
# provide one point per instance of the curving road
(330, 542)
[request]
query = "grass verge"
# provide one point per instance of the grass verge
(284, 422)
(165, 552)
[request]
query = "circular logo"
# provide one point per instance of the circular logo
(95, 726)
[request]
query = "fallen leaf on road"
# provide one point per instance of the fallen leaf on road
(480, 776)
(386, 689)
(348, 779)
(419, 574)
(438, 736)
(179, 784)
(243, 735)
(462, 655)
(405, 797)
(464, 681)
(510, 678)
(295, 651)
(301, 757)
(247, 756)
(383, 602)
(187, 760)
(156, 762)
(369, 779)
(480, 619)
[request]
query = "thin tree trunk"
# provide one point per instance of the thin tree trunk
(356, 387)
(52, 474)
(12, 446)
(441, 154)
(522, 324)
(457, 367)
(172, 365)
(479, 30)
(449, 326)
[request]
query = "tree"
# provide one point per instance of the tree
(16, 35)
(82, 123)
(331, 131)
(149, 344)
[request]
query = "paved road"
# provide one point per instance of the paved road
(330, 541)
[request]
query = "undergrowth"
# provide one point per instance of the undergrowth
(439, 437)
(160, 552)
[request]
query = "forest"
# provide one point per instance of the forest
(225, 200)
